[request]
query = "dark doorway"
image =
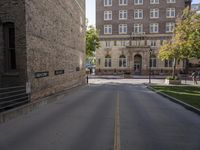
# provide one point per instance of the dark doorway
(9, 46)
(137, 64)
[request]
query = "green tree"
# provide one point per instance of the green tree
(194, 39)
(92, 41)
(185, 42)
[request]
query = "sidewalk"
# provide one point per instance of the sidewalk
(158, 80)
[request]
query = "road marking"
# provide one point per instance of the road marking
(117, 145)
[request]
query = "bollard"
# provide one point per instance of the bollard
(87, 78)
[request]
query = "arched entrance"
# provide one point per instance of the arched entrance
(137, 64)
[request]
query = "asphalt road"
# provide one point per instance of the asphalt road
(112, 116)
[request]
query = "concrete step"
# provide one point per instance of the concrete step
(12, 97)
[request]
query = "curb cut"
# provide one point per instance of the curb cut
(27, 108)
(185, 105)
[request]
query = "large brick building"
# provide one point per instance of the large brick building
(130, 30)
(42, 44)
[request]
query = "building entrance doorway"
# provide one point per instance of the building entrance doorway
(137, 64)
(137, 68)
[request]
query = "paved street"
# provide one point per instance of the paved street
(105, 115)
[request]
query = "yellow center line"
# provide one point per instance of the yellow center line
(117, 145)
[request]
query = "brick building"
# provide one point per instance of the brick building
(42, 44)
(132, 29)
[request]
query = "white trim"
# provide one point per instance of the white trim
(170, 11)
(123, 3)
(171, 1)
(108, 5)
(137, 2)
(107, 13)
(154, 2)
(138, 12)
(123, 13)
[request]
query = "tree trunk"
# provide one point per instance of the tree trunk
(174, 68)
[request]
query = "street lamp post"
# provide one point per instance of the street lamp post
(150, 51)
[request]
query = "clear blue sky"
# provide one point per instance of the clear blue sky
(196, 1)
(90, 10)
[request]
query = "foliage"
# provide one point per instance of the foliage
(194, 38)
(187, 34)
(172, 78)
(185, 42)
(92, 41)
(127, 73)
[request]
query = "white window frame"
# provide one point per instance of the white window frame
(108, 29)
(123, 28)
(171, 1)
(138, 27)
(123, 2)
(169, 27)
(108, 15)
(152, 43)
(138, 14)
(168, 63)
(138, 2)
(123, 43)
(154, 28)
(107, 2)
(123, 62)
(154, 1)
(153, 62)
(123, 14)
(154, 13)
(169, 12)
(107, 44)
(107, 62)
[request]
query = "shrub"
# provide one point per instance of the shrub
(127, 73)
(172, 78)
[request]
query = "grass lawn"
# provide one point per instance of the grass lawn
(187, 94)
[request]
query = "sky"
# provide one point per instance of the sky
(90, 10)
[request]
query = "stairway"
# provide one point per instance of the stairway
(12, 97)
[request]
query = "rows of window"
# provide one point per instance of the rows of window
(136, 42)
(139, 14)
(123, 62)
(138, 28)
(136, 2)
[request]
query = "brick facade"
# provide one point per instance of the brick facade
(53, 41)
(133, 44)
(13, 11)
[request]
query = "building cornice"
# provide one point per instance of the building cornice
(131, 36)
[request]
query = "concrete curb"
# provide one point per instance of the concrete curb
(25, 109)
(187, 106)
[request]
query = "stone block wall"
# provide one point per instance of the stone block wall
(55, 33)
